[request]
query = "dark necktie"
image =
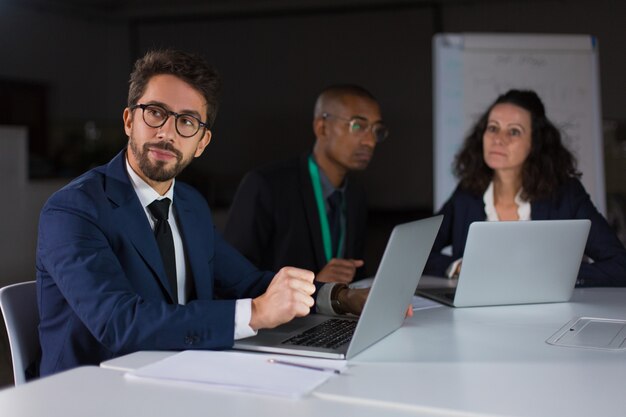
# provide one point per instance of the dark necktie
(334, 219)
(163, 235)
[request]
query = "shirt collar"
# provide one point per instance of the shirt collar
(143, 190)
(327, 186)
(523, 206)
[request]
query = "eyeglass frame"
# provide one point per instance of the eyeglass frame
(356, 119)
(169, 113)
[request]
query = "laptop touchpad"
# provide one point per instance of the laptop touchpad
(589, 332)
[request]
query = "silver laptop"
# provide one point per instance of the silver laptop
(395, 282)
(518, 262)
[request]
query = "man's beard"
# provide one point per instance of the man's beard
(157, 171)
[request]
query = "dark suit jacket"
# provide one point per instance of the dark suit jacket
(101, 282)
(570, 202)
(274, 220)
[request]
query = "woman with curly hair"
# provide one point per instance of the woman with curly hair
(514, 166)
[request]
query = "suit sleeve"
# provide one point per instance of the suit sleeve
(250, 224)
(79, 260)
(236, 276)
(437, 261)
(608, 268)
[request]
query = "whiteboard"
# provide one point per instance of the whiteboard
(471, 70)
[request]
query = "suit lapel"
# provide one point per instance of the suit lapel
(476, 212)
(311, 213)
(351, 218)
(128, 211)
(539, 210)
(197, 245)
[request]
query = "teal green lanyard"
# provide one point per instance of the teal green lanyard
(321, 208)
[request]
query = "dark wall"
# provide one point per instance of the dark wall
(273, 68)
(273, 65)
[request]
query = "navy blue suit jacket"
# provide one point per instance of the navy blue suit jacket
(570, 202)
(102, 289)
(274, 220)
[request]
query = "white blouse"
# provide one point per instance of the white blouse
(523, 212)
(523, 206)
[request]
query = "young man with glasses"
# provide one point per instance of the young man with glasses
(120, 269)
(304, 211)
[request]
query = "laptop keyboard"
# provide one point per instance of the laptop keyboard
(329, 334)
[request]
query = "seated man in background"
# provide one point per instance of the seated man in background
(304, 211)
(120, 269)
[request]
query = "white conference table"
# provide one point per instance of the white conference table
(494, 361)
(482, 361)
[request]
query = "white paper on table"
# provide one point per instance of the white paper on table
(239, 371)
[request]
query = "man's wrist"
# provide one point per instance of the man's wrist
(337, 306)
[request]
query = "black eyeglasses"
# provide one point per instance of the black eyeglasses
(156, 116)
(359, 126)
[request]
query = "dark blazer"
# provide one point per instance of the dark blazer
(571, 201)
(101, 283)
(274, 221)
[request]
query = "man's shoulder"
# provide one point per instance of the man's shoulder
(90, 181)
(278, 168)
(84, 195)
(189, 193)
(278, 172)
(96, 179)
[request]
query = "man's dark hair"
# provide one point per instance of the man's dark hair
(191, 68)
(548, 165)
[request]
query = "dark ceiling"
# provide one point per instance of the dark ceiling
(133, 9)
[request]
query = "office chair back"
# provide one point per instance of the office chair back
(21, 317)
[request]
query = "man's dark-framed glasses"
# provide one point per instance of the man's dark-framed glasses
(359, 126)
(155, 116)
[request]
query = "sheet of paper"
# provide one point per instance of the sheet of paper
(240, 371)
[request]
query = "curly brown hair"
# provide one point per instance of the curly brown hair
(190, 68)
(548, 165)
